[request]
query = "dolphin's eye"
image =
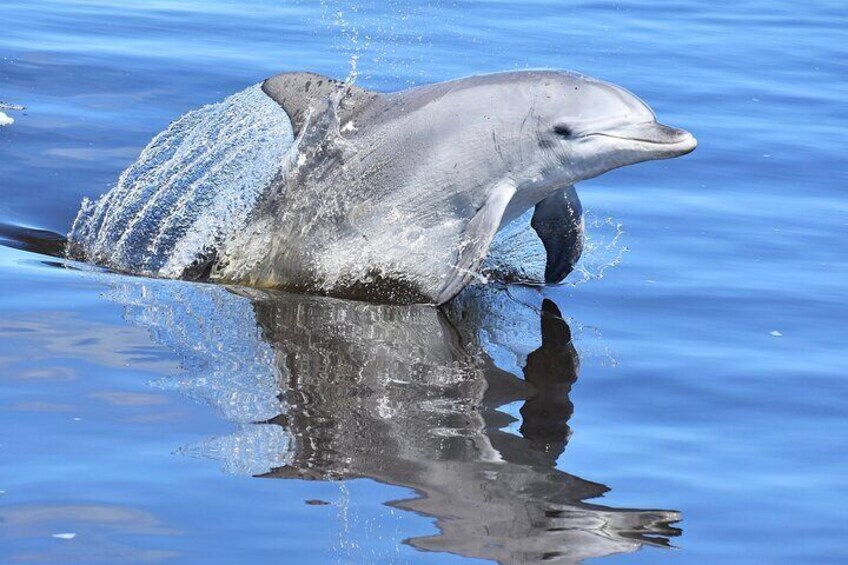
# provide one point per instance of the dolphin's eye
(563, 130)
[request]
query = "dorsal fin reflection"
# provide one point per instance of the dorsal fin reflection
(411, 396)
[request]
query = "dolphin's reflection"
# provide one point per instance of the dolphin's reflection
(407, 395)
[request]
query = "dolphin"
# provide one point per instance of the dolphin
(398, 196)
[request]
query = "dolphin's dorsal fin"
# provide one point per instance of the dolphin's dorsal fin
(297, 93)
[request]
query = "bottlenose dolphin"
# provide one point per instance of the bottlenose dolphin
(398, 196)
(415, 184)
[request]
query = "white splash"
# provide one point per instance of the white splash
(603, 248)
(192, 187)
(517, 253)
(5, 119)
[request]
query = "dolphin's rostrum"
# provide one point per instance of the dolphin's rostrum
(392, 196)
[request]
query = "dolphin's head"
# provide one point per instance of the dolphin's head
(587, 127)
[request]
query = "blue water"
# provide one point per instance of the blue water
(708, 411)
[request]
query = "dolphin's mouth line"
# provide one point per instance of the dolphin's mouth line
(642, 140)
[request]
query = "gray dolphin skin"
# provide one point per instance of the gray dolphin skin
(416, 184)
(309, 184)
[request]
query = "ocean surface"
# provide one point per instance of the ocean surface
(690, 405)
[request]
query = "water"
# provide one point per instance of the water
(704, 382)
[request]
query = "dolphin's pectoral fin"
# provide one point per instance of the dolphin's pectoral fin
(476, 239)
(558, 221)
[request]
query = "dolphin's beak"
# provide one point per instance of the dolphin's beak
(662, 141)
